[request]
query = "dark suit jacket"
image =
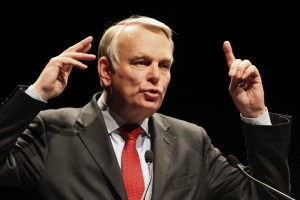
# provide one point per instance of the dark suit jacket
(66, 154)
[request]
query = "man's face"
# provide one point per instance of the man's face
(139, 84)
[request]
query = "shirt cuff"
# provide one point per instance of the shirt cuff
(264, 119)
(31, 91)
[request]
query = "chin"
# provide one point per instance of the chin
(152, 104)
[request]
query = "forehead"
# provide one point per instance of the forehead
(140, 29)
(144, 38)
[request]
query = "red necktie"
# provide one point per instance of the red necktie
(131, 166)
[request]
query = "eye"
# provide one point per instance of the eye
(165, 65)
(141, 62)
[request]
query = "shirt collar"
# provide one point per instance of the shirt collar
(114, 121)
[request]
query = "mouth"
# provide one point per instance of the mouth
(152, 94)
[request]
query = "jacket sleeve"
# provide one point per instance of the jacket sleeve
(268, 149)
(20, 151)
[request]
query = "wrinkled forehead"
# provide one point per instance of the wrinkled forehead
(139, 41)
(133, 31)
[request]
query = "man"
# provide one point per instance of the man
(76, 153)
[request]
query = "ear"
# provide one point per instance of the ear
(104, 71)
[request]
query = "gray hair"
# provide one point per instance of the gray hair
(109, 42)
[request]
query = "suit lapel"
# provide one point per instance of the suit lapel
(163, 148)
(93, 133)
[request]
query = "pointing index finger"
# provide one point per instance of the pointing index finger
(228, 53)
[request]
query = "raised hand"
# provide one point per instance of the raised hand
(245, 86)
(54, 77)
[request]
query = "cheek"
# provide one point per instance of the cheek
(166, 80)
(130, 82)
(136, 77)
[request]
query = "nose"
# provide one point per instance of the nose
(154, 73)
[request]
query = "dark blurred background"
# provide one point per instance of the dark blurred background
(32, 33)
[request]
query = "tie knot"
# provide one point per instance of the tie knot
(130, 131)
